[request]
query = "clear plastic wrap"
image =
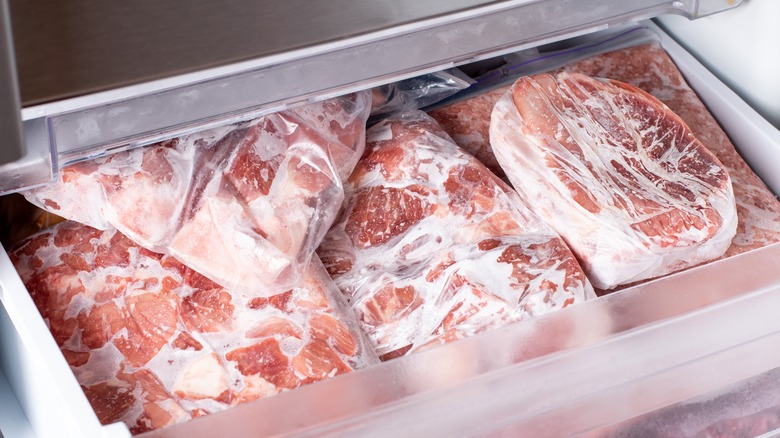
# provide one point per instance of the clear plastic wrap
(153, 343)
(245, 205)
(619, 175)
(432, 247)
(416, 93)
(466, 116)
(631, 55)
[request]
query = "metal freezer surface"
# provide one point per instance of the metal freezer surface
(65, 49)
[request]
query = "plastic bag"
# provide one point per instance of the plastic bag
(245, 205)
(153, 343)
(416, 93)
(432, 247)
(466, 115)
(616, 173)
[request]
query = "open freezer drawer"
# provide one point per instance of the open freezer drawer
(584, 377)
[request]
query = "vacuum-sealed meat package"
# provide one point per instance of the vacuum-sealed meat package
(245, 205)
(648, 67)
(432, 247)
(617, 173)
(154, 343)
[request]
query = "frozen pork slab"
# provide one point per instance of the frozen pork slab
(245, 205)
(649, 68)
(154, 343)
(432, 247)
(617, 173)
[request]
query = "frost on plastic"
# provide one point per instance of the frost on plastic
(616, 173)
(432, 247)
(245, 205)
(153, 343)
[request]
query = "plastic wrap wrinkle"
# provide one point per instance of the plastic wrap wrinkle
(245, 205)
(154, 343)
(432, 247)
(619, 175)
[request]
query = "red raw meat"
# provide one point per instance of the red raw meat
(154, 343)
(432, 247)
(244, 205)
(649, 68)
(468, 123)
(616, 173)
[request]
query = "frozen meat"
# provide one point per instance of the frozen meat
(245, 205)
(617, 173)
(432, 247)
(153, 343)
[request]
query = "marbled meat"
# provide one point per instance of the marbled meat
(245, 205)
(432, 247)
(619, 175)
(154, 343)
(649, 68)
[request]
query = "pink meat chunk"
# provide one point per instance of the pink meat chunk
(244, 205)
(154, 343)
(432, 247)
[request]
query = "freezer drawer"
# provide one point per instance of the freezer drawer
(579, 370)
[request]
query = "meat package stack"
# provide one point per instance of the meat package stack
(648, 68)
(432, 247)
(189, 283)
(244, 205)
(185, 281)
(153, 342)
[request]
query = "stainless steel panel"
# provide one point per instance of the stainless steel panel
(10, 119)
(74, 47)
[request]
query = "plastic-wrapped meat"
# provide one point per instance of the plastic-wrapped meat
(616, 173)
(154, 343)
(468, 123)
(649, 68)
(245, 205)
(432, 247)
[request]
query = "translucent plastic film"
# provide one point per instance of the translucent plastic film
(245, 204)
(618, 174)
(431, 247)
(416, 93)
(153, 343)
(633, 56)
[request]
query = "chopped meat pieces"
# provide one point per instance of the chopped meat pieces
(432, 247)
(244, 205)
(154, 343)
